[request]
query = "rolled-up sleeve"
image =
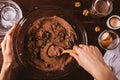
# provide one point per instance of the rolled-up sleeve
(112, 59)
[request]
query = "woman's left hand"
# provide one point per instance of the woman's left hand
(7, 47)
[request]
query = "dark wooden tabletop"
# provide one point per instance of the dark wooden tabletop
(88, 22)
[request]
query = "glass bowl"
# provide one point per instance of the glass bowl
(108, 40)
(10, 13)
(21, 30)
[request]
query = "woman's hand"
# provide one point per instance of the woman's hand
(91, 59)
(7, 47)
(8, 58)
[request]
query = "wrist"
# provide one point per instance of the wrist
(7, 65)
(5, 71)
(104, 74)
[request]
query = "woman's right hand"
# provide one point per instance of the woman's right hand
(91, 59)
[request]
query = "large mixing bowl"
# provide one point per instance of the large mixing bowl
(21, 30)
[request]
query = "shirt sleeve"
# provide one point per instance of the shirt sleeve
(112, 59)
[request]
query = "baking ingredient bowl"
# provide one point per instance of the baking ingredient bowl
(21, 34)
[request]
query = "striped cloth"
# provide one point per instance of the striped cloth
(112, 59)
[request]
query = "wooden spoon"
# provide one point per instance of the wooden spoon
(68, 51)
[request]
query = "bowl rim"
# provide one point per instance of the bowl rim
(24, 19)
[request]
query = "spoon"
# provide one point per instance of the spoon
(69, 51)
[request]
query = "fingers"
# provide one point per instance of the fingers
(81, 45)
(11, 30)
(99, 53)
(6, 44)
(3, 45)
(97, 48)
(9, 44)
(9, 33)
(76, 57)
(77, 49)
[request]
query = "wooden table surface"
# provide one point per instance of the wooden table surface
(88, 22)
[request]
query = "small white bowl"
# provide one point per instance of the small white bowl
(113, 22)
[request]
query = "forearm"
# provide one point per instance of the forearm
(6, 71)
(104, 74)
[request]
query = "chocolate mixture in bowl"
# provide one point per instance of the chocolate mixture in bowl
(46, 39)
